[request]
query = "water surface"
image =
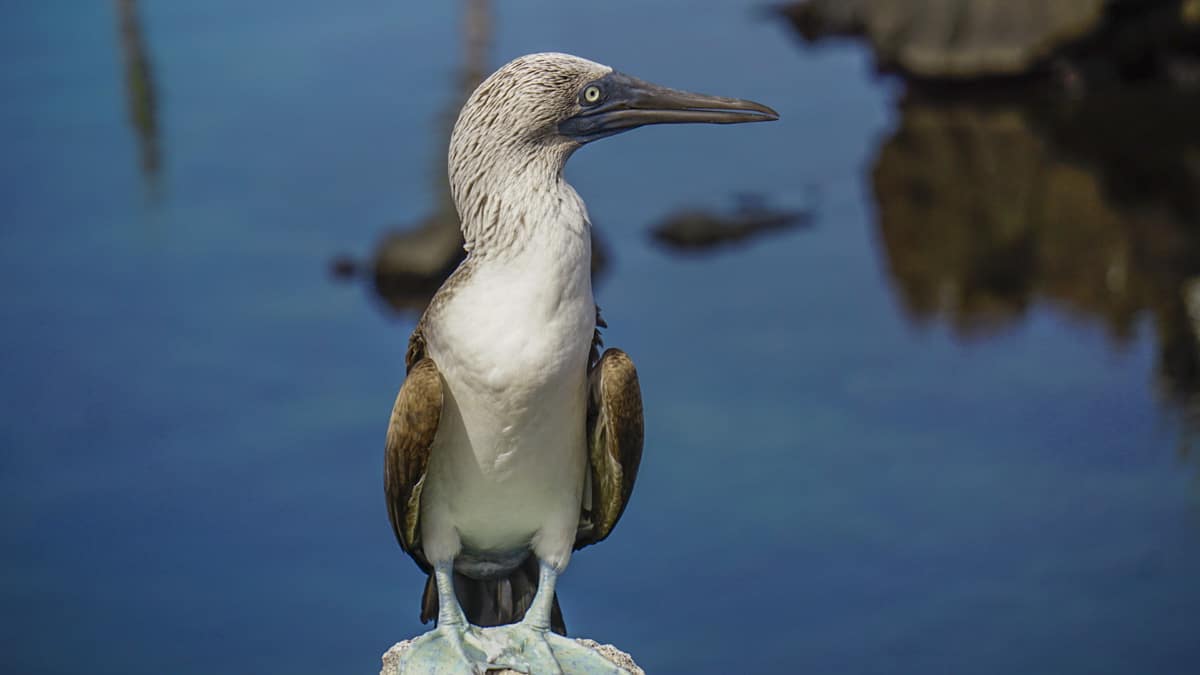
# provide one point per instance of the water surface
(844, 471)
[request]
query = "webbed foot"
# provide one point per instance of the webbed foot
(576, 658)
(526, 649)
(450, 648)
(530, 649)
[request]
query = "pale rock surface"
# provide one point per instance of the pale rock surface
(391, 658)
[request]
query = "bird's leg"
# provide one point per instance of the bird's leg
(449, 611)
(528, 649)
(538, 614)
(532, 648)
(454, 645)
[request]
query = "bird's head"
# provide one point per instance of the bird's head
(539, 108)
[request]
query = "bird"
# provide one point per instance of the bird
(513, 441)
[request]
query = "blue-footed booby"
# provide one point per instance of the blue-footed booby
(512, 442)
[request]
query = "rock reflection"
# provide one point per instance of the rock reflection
(139, 86)
(696, 230)
(986, 208)
(1045, 153)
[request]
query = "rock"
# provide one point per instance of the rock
(391, 658)
(410, 265)
(696, 229)
(951, 38)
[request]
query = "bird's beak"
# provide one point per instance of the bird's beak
(628, 103)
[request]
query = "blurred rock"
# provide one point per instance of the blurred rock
(952, 38)
(343, 267)
(409, 266)
(956, 40)
(391, 658)
(695, 229)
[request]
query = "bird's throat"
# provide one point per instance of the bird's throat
(524, 211)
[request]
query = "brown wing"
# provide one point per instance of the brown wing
(614, 435)
(414, 423)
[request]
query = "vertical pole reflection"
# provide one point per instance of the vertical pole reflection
(409, 265)
(139, 86)
(477, 32)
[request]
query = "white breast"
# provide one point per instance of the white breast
(508, 464)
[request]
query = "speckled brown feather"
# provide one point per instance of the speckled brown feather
(416, 348)
(411, 431)
(615, 434)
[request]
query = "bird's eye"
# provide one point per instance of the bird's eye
(592, 94)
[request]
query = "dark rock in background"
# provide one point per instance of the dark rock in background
(1071, 41)
(699, 229)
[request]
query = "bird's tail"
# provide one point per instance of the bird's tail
(494, 602)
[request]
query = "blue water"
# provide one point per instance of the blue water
(191, 443)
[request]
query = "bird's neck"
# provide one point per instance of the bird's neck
(509, 208)
(529, 252)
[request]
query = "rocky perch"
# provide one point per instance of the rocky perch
(391, 658)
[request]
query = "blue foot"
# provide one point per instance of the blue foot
(528, 649)
(576, 658)
(450, 648)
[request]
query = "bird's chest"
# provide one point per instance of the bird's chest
(510, 338)
(512, 346)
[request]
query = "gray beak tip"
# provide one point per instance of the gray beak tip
(757, 111)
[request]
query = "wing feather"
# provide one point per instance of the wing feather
(411, 430)
(615, 433)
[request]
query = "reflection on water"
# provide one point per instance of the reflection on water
(409, 265)
(910, 500)
(1045, 152)
(986, 208)
(139, 86)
